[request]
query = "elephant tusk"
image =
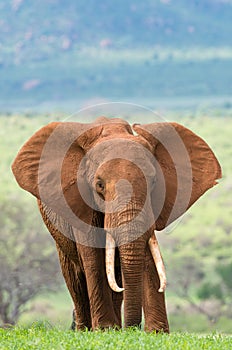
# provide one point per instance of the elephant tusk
(110, 255)
(155, 251)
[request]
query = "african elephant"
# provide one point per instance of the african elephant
(102, 189)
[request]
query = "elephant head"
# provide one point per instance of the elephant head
(134, 180)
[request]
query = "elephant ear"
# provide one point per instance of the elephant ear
(47, 166)
(186, 168)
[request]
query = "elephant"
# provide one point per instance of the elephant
(103, 188)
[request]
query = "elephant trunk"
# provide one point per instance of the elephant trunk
(132, 240)
(132, 264)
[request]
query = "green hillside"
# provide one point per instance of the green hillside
(53, 52)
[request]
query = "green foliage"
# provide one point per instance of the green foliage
(208, 290)
(27, 258)
(43, 336)
(225, 271)
(54, 307)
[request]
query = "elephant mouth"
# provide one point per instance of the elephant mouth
(156, 254)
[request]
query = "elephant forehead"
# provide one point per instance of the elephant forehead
(123, 156)
(118, 154)
(128, 148)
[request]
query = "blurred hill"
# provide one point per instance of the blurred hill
(50, 25)
(42, 43)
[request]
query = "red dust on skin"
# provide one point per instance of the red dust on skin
(46, 166)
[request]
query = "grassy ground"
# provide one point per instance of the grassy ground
(41, 336)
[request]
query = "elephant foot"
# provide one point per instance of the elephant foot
(104, 326)
(162, 328)
(80, 326)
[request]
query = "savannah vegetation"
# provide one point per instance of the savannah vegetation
(43, 336)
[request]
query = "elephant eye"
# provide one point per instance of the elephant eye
(100, 187)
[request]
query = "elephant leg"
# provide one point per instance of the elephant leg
(76, 283)
(153, 301)
(117, 297)
(99, 293)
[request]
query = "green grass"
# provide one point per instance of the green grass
(55, 307)
(42, 336)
